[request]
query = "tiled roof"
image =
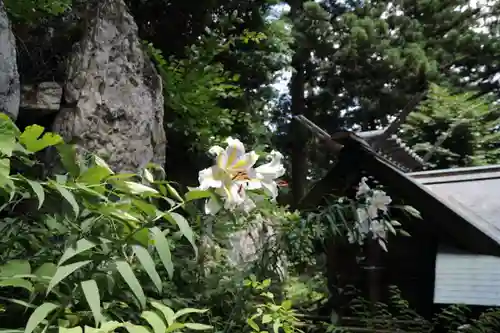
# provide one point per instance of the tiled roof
(473, 191)
(393, 149)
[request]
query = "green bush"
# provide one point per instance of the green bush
(82, 248)
(30, 11)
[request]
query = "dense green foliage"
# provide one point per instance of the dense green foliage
(30, 11)
(86, 246)
(466, 126)
(100, 250)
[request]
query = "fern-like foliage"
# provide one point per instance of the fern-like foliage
(470, 125)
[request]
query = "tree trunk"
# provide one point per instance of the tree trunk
(298, 134)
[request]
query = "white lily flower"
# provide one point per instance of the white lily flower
(362, 215)
(237, 198)
(363, 188)
(234, 159)
(378, 201)
(240, 201)
(234, 173)
(267, 173)
(378, 229)
(363, 223)
(351, 238)
(232, 163)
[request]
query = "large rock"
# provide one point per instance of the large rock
(113, 102)
(255, 243)
(9, 77)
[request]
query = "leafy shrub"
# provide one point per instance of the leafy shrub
(196, 87)
(31, 11)
(92, 238)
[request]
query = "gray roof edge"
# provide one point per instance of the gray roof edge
(458, 178)
(473, 219)
(465, 173)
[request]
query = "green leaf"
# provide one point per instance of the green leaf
(145, 207)
(8, 135)
(122, 176)
(149, 265)
(30, 138)
(109, 326)
(100, 162)
(266, 319)
(142, 237)
(404, 233)
(38, 189)
(173, 192)
(175, 327)
(253, 325)
(15, 267)
(395, 223)
(69, 159)
(136, 188)
(198, 327)
(91, 292)
(94, 175)
(128, 275)
(68, 196)
(267, 294)
(17, 283)
(184, 228)
(127, 217)
(163, 250)
(197, 194)
(5, 172)
(80, 246)
(167, 312)
(63, 271)
(21, 303)
(77, 329)
(136, 328)
(186, 311)
(382, 244)
(155, 321)
(412, 211)
(46, 271)
(287, 304)
(148, 175)
(39, 315)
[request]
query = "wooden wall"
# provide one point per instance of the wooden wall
(409, 264)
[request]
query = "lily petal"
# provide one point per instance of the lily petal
(244, 162)
(372, 211)
(363, 188)
(253, 184)
(271, 189)
(221, 160)
(235, 149)
(362, 215)
(274, 169)
(212, 177)
(234, 195)
(380, 200)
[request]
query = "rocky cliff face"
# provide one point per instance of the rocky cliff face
(113, 102)
(9, 78)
